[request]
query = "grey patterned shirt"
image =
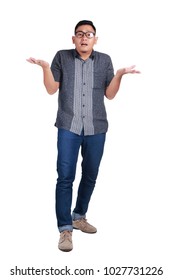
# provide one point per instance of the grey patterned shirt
(82, 90)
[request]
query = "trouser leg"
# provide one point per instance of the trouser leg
(68, 149)
(92, 151)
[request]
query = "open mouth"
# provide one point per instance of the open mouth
(84, 45)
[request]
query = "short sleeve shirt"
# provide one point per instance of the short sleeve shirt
(82, 91)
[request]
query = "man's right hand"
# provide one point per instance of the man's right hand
(39, 62)
(49, 82)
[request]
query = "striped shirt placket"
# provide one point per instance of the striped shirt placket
(83, 101)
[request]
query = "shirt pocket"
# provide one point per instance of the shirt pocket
(99, 79)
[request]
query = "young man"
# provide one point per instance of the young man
(83, 77)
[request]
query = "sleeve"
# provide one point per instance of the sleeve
(110, 71)
(56, 67)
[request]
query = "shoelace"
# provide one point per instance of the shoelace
(83, 222)
(66, 233)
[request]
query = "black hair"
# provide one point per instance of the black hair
(84, 22)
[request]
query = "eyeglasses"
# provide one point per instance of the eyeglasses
(88, 34)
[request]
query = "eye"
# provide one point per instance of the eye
(90, 35)
(79, 34)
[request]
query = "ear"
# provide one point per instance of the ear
(95, 42)
(73, 39)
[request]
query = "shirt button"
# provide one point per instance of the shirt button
(84, 84)
(83, 105)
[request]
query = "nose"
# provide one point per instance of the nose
(84, 37)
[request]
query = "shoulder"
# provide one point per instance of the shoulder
(102, 58)
(65, 52)
(62, 55)
(102, 55)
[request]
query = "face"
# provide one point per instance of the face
(84, 42)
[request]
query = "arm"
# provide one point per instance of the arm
(114, 85)
(50, 84)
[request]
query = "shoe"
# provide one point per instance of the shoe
(84, 226)
(65, 242)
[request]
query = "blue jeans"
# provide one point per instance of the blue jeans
(68, 150)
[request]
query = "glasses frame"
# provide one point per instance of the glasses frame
(85, 33)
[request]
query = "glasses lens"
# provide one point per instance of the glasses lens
(79, 34)
(89, 34)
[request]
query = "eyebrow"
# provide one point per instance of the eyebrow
(85, 31)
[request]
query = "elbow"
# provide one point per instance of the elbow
(111, 94)
(51, 89)
(110, 97)
(51, 92)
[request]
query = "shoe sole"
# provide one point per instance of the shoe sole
(85, 231)
(65, 250)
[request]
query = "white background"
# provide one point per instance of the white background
(132, 203)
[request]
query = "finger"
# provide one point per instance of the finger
(31, 60)
(132, 67)
(135, 72)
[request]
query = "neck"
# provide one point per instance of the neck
(85, 55)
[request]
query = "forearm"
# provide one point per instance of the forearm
(114, 86)
(50, 84)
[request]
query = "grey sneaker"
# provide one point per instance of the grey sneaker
(65, 242)
(84, 226)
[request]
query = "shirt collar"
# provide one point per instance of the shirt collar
(76, 54)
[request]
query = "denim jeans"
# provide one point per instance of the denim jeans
(69, 145)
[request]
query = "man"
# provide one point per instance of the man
(83, 77)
